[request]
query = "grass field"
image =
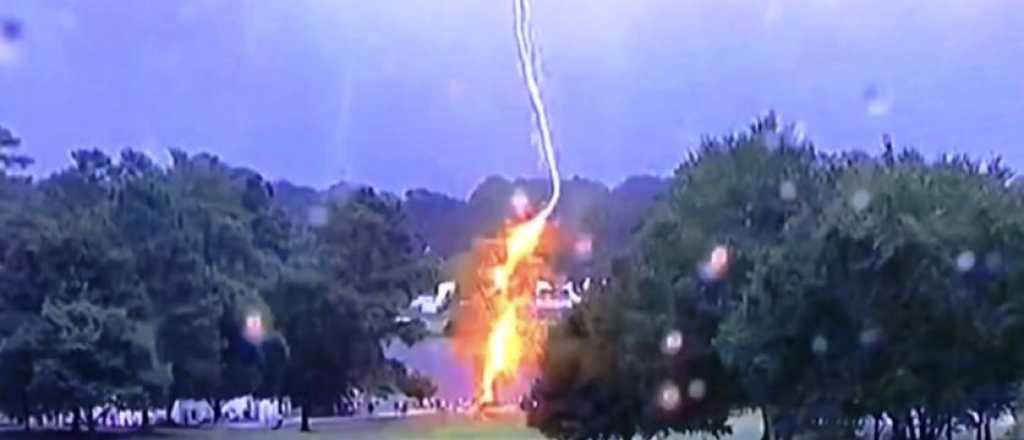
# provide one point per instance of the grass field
(432, 427)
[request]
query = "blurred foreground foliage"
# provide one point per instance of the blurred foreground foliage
(863, 296)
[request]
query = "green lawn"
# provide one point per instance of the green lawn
(423, 427)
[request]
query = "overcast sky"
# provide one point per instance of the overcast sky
(410, 93)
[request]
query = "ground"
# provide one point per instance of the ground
(411, 428)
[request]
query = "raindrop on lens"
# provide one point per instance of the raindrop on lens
(317, 215)
(668, 396)
(878, 103)
(787, 190)
(965, 261)
(860, 200)
(584, 247)
(870, 336)
(717, 264)
(697, 389)
(672, 343)
(819, 345)
(254, 327)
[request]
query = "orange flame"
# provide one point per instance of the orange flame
(507, 342)
(512, 332)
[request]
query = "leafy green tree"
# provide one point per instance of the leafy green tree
(894, 302)
(366, 247)
(615, 222)
(341, 298)
(9, 160)
(83, 339)
(222, 243)
(23, 229)
(91, 355)
(728, 198)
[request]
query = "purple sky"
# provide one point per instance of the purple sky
(407, 93)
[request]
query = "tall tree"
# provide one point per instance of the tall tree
(23, 230)
(90, 339)
(360, 269)
(651, 332)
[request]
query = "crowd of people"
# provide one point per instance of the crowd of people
(272, 413)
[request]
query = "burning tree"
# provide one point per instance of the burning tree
(497, 330)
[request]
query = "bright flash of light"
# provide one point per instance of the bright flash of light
(504, 350)
(505, 341)
(528, 64)
(500, 278)
(520, 202)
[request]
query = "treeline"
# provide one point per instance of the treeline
(125, 284)
(587, 208)
(839, 295)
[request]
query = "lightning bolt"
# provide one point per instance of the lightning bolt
(528, 64)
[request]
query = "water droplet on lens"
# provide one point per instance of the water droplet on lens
(819, 345)
(860, 200)
(317, 215)
(697, 389)
(870, 336)
(965, 261)
(668, 396)
(878, 103)
(787, 190)
(717, 264)
(672, 343)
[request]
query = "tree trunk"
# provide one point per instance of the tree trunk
(898, 432)
(305, 417)
(169, 419)
(90, 421)
(988, 427)
(145, 417)
(24, 409)
(217, 409)
(76, 421)
(766, 423)
(878, 428)
(949, 428)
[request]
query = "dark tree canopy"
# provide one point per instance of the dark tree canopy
(131, 284)
(856, 288)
